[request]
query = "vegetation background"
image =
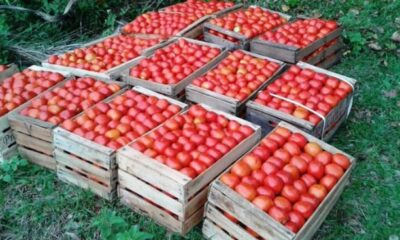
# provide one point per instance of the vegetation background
(35, 205)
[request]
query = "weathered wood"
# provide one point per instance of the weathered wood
(213, 232)
(37, 158)
(12, 68)
(223, 198)
(325, 53)
(34, 143)
(172, 90)
(8, 153)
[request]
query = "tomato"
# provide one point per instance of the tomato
(278, 214)
(304, 208)
(307, 157)
(270, 144)
(274, 183)
(263, 202)
(323, 157)
(290, 193)
(292, 227)
(284, 132)
(259, 175)
(251, 181)
(280, 140)
(230, 179)
(252, 232)
(318, 191)
(308, 179)
(316, 169)
(285, 177)
(269, 168)
(253, 161)
(190, 172)
(292, 148)
(241, 169)
(341, 160)
(276, 161)
(198, 166)
(334, 170)
(282, 203)
(312, 148)
(265, 191)
(262, 152)
(299, 163)
(246, 191)
(296, 218)
(283, 155)
(292, 170)
(328, 181)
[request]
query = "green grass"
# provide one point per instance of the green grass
(35, 205)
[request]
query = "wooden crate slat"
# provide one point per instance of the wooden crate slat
(33, 143)
(138, 205)
(146, 191)
(37, 158)
(215, 216)
(83, 147)
(212, 232)
(8, 153)
(198, 200)
(7, 140)
(74, 162)
(12, 68)
(150, 173)
(74, 178)
(226, 199)
(29, 129)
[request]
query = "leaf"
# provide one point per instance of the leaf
(7, 178)
(374, 46)
(396, 36)
(108, 223)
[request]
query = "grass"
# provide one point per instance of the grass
(35, 205)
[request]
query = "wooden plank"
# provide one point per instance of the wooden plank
(12, 68)
(226, 199)
(143, 189)
(196, 202)
(28, 128)
(74, 178)
(195, 219)
(8, 153)
(73, 162)
(84, 148)
(157, 174)
(212, 232)
(37, 158)
(7, 140)
(4, 125)
(141, 206)
(325, 53)
(236, 231)
(34, 143)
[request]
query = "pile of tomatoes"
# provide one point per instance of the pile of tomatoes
(249, 22)
(64, 102)
(106, 54)
(286, 176)
(198, 7)
(238, 75)
(122, 120)
(317, 91)
(172, 64)
(300, 33)
(165, 24)
(23, 86)
(193, 141)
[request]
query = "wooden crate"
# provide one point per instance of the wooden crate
(225, 103)
(87, 164)
(110, 74)
(176, 200)
(172, 90)
(265, 116)
(325, 53)
(287, 53)
(331, 60)
(223, 199)
(35, 137)
(8, 146)
(242, 42)
(12, 68)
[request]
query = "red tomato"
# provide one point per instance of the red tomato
(278, 214)
(290, 193)
(312, 148)
(308, 179)
(334, 170)
(284, 132)
(296, 218)
(318, 191)
(274, 182)
(304, 208)
(265, 191)
(292, 170)
(300, 186)
(230, 179)
(253, 161)
(328, 181)
(316, 169)
(299, 163)
(269, 168)
(247, 191)
(283, 155)
(292, 148)
(306, 197)
(263, 202)
(283, 203)
(323, 157)
(341, 160)
(241, 169)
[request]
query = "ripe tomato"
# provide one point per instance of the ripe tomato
(290, 193)
(247, 191)
(292, 227)
(304, 208)
(265, 191)
(316, 169)
(251, 181)
(259, 175)
(334, 170)
(263, 202)
(312, 148)
(328, 181)
(284, 132)
(283, 155)
(308, 179)
(285, 177)
(270, 144)
(278, 214)
(323, 157)
(283, 203)
(306, 197)
(269, 168)
(274, 183)
(292, 170)
(230, 217)
(296, 218)
(230, 179)
(253, 161)
(190, 172)
(241, 169)
(318, 191)
(299, 163)
(341, 160)
(292, 148)
(280, 140)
